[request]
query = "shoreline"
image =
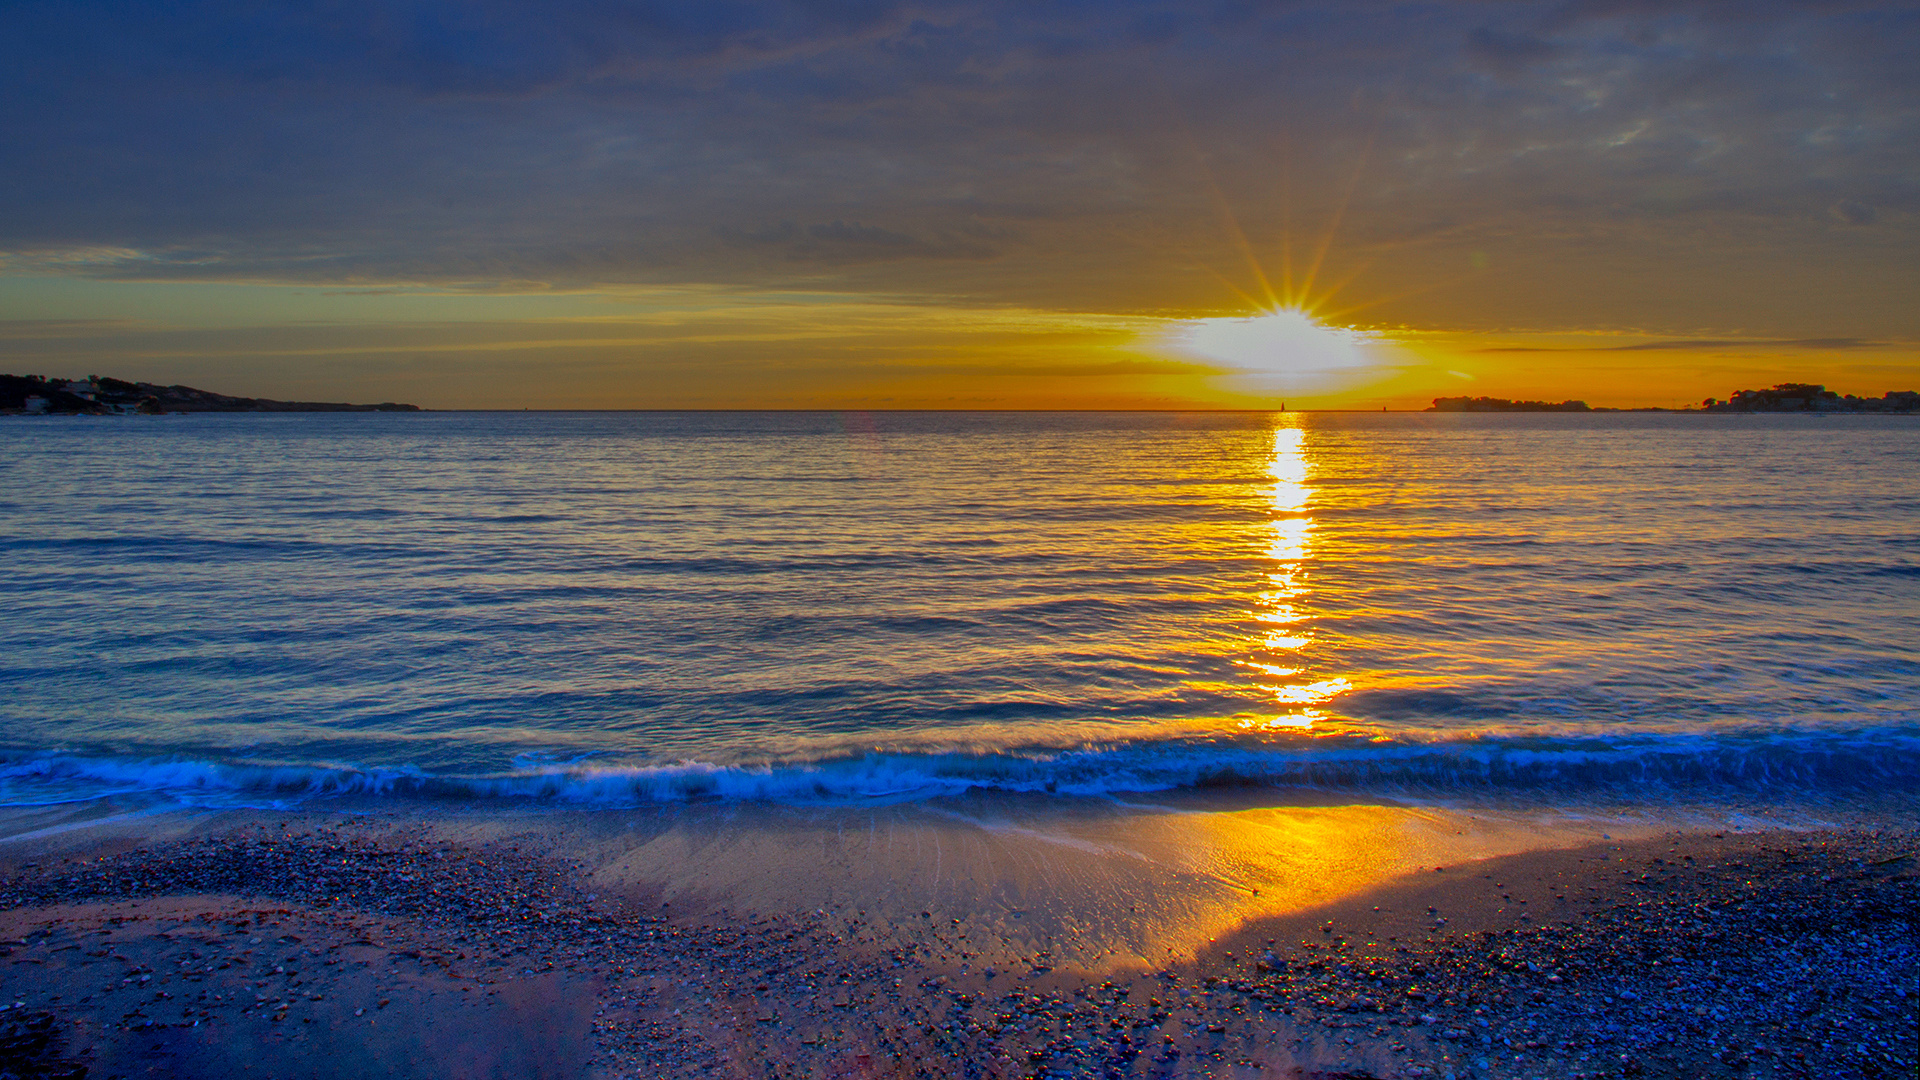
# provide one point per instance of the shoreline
(400, 408)
(610, 945)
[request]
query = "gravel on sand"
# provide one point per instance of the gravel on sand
(350, 950)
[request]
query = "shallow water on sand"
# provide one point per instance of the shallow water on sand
(620, 608)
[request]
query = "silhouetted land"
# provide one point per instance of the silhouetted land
(1488, 404)
(1785, 397)
(97, 395)
(1812, 397)
(36, 394)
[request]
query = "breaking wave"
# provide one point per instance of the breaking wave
(1859, 761)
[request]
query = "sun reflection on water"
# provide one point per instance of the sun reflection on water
(1279, 658)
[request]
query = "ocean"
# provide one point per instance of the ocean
(619, 609)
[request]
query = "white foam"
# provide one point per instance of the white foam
(1784, 760)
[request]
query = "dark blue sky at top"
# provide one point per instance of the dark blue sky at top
(1049, 154)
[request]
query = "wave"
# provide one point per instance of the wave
(1640, 764)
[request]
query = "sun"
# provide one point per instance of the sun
(1285, 344)
(1288, 343)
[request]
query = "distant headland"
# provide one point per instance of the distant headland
(98, 396)
(1784, 397)
(37, 395)
(1812, 397)
(1488, 404)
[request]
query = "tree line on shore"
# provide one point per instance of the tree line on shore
(1812, 397)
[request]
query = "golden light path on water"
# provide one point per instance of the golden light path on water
(1281, 607)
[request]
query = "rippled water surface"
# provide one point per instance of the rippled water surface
(641, 606)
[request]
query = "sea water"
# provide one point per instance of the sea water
(629, 608)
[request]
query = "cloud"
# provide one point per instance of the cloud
(1702, 344)
(81, 257)
(1853, 213)
(61, 329)
(1597, 155)
(1508, 52)
(694, 349)
(1814, 343)
(840, 242)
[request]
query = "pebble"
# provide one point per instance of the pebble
(1744, 971)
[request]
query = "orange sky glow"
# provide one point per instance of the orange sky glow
(1351, 205)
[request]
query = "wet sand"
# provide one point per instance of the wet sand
(984, 937)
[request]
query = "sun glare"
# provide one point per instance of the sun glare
(1288, 343)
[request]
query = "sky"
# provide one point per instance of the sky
(863, 205)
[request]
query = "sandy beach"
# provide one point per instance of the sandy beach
(485, 944)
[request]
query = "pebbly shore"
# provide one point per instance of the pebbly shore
(357, 949)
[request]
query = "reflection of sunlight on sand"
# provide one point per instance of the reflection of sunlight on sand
(1096, 885)
(1011, 882)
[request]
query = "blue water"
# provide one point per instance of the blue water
(622, 608)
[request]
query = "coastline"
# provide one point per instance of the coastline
(613, 944)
